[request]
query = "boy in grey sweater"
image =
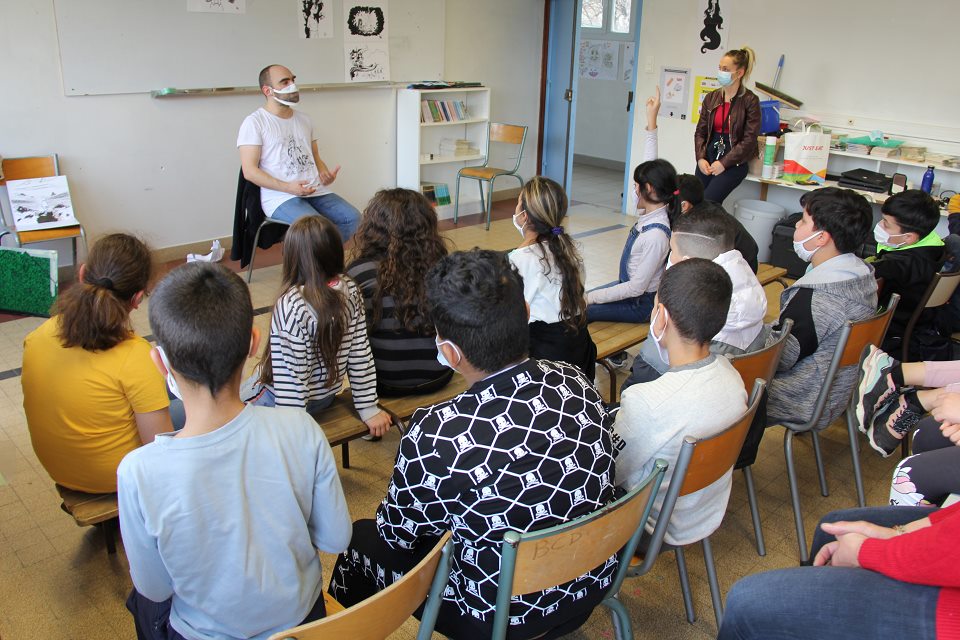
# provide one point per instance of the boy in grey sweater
(837, 288)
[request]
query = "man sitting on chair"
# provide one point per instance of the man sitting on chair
(278, 153)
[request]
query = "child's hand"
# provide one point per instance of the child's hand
(653, 108)
(379, 424)
(946, 408)
(951, 431)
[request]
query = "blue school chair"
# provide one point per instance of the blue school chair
(583, 544)
(500, 133)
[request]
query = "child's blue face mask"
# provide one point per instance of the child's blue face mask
(441, 358)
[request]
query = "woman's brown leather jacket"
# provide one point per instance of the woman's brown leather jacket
(744, 126)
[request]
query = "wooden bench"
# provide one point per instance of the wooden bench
(93, 509)
(341, 423)
(767, 273)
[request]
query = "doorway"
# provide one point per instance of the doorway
(589, 98)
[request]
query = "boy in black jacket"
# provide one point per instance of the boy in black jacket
(909, 253)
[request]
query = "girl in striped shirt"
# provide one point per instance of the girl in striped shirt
(318, 333)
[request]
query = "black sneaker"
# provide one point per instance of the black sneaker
(896, 418)
(875, 386)
(620, 361)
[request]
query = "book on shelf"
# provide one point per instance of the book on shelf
(438, 193)
(443, 111)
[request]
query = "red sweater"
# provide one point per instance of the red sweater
(928, 556)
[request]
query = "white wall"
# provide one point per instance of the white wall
(883, 65)
(167, 169)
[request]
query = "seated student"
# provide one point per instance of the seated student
(222, 521)
(691, 188)
(90, 393)
(526, 447)
(318, 332)
(707, 232)
(552, 272)
(879, 572)
(909, 253)
(701, 395)
(838, 287)
(395, 245)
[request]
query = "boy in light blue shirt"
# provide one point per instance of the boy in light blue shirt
(222, 520)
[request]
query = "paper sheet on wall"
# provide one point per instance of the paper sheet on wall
(217, 6)
(40, 203)
(598, 59)
(365, 22)
(702, 85)
(314, 19)
(366, 52)
(674, 90)
(626, 67)
(712, 41)
(366, 62)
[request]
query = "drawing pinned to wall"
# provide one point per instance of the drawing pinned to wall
(40, 203)
(217, 6)
(626, 69)
(712, 39)
(598, 59)
(366, 62)
(702, 85)
(711, 35)
(365, 22)
(674, 89)
(314, 19)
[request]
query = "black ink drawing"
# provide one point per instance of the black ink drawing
(217, 6)
(361, 68)
(712, 24)
(366, 22)
(312, 11)
(41, 203)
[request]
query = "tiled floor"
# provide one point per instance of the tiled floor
(597, 186)
(57, 582)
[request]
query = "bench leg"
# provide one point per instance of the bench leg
(109, 530)
(612, 373)
(345, 451)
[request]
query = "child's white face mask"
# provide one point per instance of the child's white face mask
(171, 381)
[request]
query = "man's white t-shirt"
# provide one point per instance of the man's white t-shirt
(286, 152)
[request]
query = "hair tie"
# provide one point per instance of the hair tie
(677, 192)
(103, 283)
(556, 231)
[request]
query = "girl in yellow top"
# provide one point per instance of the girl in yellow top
(90, 391)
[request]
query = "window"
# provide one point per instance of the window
(610, 19)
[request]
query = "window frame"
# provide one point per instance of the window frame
(606, 31)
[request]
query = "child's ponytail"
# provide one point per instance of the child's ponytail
(662, 178)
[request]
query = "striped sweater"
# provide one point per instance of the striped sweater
(299, 375)
(404, 359)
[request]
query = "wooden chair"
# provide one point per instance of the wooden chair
(759, 365)
(700, 464)
(500, 133)
(93, 509)
(39, 167)
(380, 615)
(854, 336)
(938, 293)
(539, 560)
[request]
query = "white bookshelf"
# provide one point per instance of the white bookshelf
(417, 140)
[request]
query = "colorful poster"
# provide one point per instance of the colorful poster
(626, 68)
(40, 203)
(674, 90)
(217, 6)
(598, 59)
(702, 85)
(314, 19)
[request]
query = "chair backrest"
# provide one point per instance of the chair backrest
(507, 134)
(711, 458)
(762, 364)
(30, 167)
(938, 293)
(380, 615)
(538, 560)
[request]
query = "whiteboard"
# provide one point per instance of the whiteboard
(135, 46)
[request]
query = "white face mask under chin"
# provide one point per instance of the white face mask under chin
(661, 350)
(171, 381)
(802, 252)
(290, 92)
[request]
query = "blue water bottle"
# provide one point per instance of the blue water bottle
(927, 184)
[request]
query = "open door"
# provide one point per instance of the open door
(561, 88)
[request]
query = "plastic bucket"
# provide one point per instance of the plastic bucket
(769, 116)
(759, 217)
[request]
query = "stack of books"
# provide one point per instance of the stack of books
(438, 193)
(857, 148)
(913, 153)
(885, 152)
(443, 111)
(459, 147)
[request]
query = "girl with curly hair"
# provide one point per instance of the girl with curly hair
(395, 245)
(552, 272)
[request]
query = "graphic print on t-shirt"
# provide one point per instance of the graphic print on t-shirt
(297, 160)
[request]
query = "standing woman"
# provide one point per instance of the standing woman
(552, 272)
(726, 136)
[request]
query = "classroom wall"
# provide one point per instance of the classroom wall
(167, 169)
(880, 65)
(602, 119)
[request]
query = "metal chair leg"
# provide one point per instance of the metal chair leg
(712, 579)
(483, 206)
(456, 200)
(821, 474)
(490, 201)
(109, 529)
(685, 585)
(795, 494)
(612, 373)
(754, 510)
(855, 457)
(253, 254)
(622, 627)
